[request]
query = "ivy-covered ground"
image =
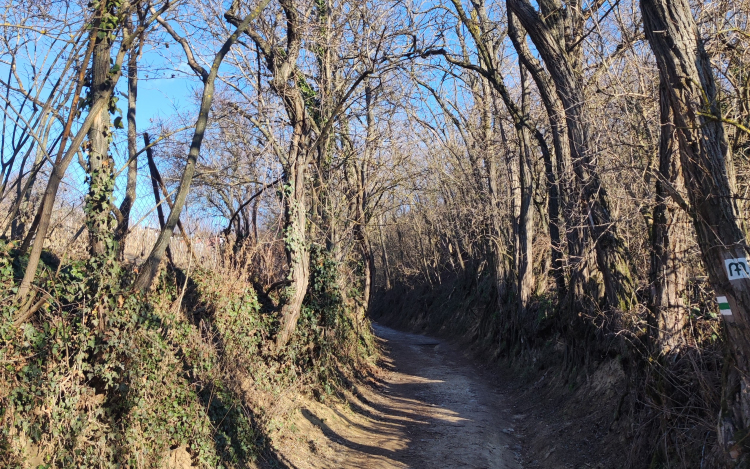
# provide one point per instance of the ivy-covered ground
(98, 376)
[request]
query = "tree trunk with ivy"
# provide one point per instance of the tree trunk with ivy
(100, 165)
(290, 86)
(65, 154)
(295, 243)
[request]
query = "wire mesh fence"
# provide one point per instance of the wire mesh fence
(68, 236)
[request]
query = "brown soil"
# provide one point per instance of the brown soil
(577, 427)
(431, 405)
(428, 406)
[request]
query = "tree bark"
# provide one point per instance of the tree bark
(285, 82)
(526, 214)
(158, 183)
(362, 216)
(41, 222)
(489, 70)
(707, 167)
(551, 36)
(121, 232)
(282, 63)
(368, 258)
(501, 264)
(100, 168)
(558, 175)
(155, 187)
(384, 255)
(62, 161)
(669, 236)
(297, 252)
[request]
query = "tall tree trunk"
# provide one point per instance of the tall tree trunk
(41, 222)
(368, 258)
(564, 66)
(100, 166)
(707, 167)
(282, 63)
(554, 172)
(514, 161)
(362, 218)
(669, 236)
(255, 221)
(295, 237)
(502, 266)
(526, 214)
(123, 225)
(155, 187)
(151, 265)
(491, 72)
(384, 254)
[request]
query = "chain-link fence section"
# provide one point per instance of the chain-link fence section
(68, 236)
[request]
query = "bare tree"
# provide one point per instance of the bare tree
(707, 165)
(64, 157)
(151, 265)
(557, 34)
(123, 213)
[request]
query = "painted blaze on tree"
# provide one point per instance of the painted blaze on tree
(737, 268)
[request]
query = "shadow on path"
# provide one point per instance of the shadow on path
(428, 408)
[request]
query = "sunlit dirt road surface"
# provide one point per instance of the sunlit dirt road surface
(428, 407)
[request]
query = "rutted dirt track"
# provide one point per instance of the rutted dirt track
(428, 408)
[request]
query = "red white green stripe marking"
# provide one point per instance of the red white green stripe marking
(724, 308)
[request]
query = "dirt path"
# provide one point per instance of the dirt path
(428, 408)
